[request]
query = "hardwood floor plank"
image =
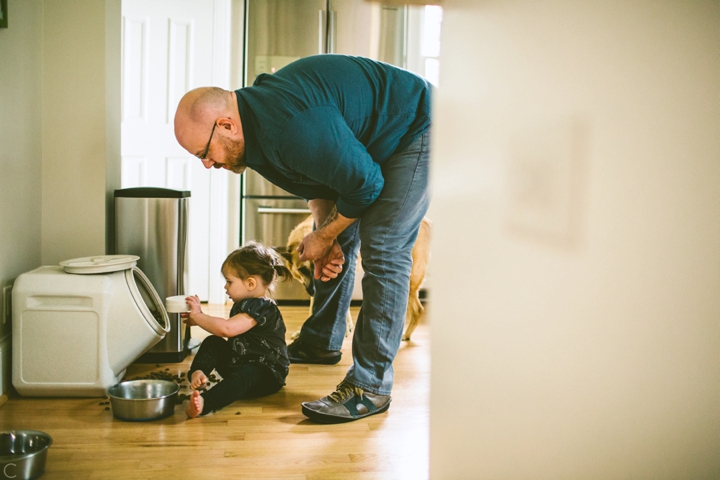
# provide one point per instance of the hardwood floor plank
(265, 438)
(219, 472)
(265, 425)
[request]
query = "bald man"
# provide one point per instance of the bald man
(352, 137)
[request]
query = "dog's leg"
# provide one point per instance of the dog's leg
(349, 324)
(296, 334)
(420, 259)
(415, 310)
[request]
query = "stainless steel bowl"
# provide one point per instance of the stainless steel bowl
(143, 400)
(23, 453)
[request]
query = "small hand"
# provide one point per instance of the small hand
(195, 308)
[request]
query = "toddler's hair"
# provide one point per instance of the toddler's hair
(256, 259)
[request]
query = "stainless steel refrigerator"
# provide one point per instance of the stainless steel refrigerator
(279, 32)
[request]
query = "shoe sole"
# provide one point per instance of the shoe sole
(317, 361)
(328, 419)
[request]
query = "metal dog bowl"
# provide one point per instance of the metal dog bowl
(143, 400)
(23, 453)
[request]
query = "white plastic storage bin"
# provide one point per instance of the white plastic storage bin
(76, 334)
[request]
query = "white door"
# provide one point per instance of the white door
(170, 47)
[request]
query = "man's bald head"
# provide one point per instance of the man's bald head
(208, 125)
(200, 107)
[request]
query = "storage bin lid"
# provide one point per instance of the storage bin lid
(148, 301)
(99, 264)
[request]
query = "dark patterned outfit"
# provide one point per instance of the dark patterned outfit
(252, 364)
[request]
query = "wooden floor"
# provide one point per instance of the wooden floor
(266, 438)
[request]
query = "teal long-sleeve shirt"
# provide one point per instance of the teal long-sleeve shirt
(322, 126)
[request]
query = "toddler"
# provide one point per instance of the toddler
(253, 361)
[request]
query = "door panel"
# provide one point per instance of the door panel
(257, 186)
(368, 29)
(280, 31)
(270, 221)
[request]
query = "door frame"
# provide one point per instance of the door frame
(222, 240)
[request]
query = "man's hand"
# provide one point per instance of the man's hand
(326, 254)
(330, 266)
(321, 246)
(315, 246)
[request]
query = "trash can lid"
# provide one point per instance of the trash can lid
(151, 192)
(99, 264)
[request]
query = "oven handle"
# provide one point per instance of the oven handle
(283, 210)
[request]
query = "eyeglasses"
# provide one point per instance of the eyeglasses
(207, 147)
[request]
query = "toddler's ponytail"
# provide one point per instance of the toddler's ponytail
(255, 258)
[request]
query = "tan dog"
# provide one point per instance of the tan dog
(303, 272)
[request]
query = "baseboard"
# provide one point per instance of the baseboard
(422, 294)
(292, 303)
(5, 365)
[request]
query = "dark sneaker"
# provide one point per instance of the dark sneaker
(300, 352)
(346, 404)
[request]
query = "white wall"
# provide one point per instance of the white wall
(80, 125)
(575, 320)
(59, 135)
(20, 150)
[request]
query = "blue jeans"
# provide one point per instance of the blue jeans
(384, 235)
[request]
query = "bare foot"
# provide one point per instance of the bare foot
(195, 405)
(198, 379)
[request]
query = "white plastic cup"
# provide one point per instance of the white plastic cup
(176, 304)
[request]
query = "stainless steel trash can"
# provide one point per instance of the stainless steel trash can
(152, 223)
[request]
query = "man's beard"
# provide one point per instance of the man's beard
(234, 155)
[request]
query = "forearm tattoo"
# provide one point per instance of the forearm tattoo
(332, 216)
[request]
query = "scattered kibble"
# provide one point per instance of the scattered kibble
(159, 376)
(107, 408)
(237, 413)
(181, 379)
